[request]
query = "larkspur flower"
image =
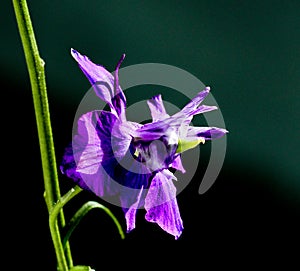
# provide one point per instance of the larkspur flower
(112, 156)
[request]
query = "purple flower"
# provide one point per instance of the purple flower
(114, 157)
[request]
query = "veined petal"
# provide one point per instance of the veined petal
(130, 214)
(99, 182)
(203, 109)
(157, 108)
(101, 79)
(68, 167)
(207, 133)
(193, 104)
(177, 164)
(103, 182)
(133, 191)
(155, 130)
(121, 136)
(94, 158)
(161, 205)
(92, 143)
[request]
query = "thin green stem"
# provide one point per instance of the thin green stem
(56, 237)
(35, 66)
(82, 212)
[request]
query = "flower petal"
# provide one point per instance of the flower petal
(155, 130)
(193, 104)
(121, 136)
(161, 205)
(207, 133)
(130, 214)
(177, 164)
(157, 108)
(132, 192)
(68, 167)
(103, 182)
(158, 128)
(203, 109)
(92, 143)
(94, 156)
(101, 79)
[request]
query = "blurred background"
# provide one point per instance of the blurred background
(247, 51)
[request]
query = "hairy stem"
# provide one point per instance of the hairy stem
(35, 66)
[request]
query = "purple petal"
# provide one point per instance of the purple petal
(157, 108)
(205, 132)
(121, 136)
(103, 182)
(95, 158)
(162, 121)
(130, 214)
(203, 109)
(68, 167)
(155, 130)
(132, 192)
(161, 205)
(99, 182)
(177, 164)
(194, 103)
(93, 140)
(101, 79)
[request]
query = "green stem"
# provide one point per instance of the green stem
(35, 66)
(82, 212)
(56, 237)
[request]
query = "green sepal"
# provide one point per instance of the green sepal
(184, 145)
(81, 268)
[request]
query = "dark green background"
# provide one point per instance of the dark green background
(247, 51)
